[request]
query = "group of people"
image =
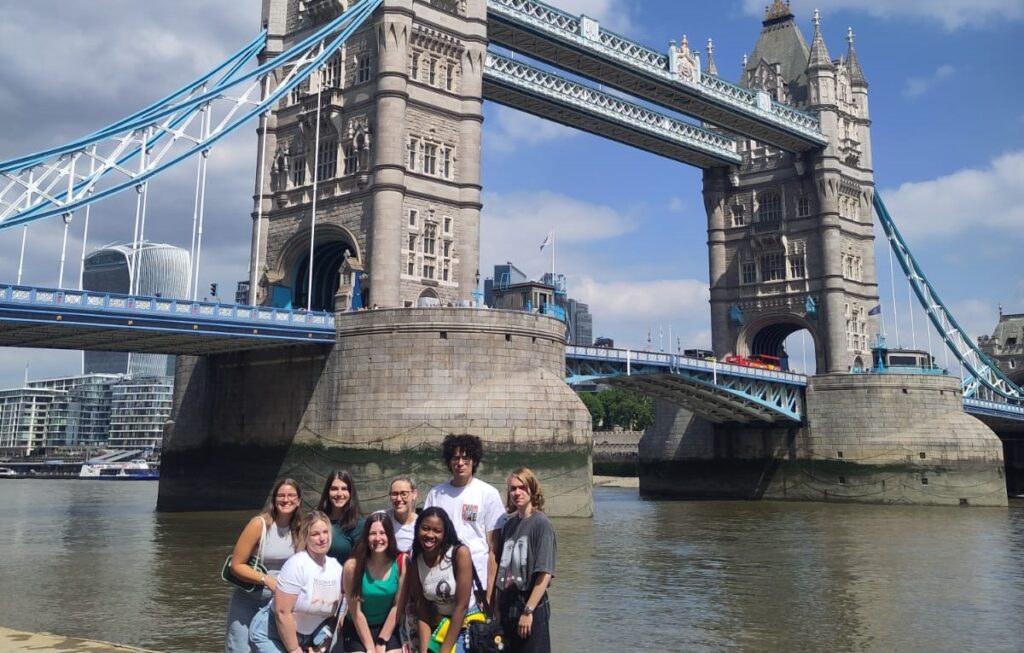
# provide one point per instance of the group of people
(406, 580)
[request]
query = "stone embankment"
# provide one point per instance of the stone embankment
(12, 641)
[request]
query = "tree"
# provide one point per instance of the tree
(614, 407)
(596, 408)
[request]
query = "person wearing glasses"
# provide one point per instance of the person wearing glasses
(340, 501)
(403, 511)
(474, 506)
(277, 528)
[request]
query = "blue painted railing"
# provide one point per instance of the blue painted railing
(87, 301)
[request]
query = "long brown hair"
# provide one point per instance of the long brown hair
(269, 514)
(362, 552)
(350, 513)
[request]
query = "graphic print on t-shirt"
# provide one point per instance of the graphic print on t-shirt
(470, 511)
(324, 598)
(514, 557)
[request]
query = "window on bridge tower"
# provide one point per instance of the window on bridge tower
(773, 267)
(429, 238)
(413, 217)
(446, 162)
(430, 159)
(769, 207)
(363, 69)
(803, 206)
(432, 72)
(748, 272)
(449, 76)
(738, 218)
(327, 161)
(330, 74)
(414, 69)
(298, 164)
(351, 159)
(414, 152)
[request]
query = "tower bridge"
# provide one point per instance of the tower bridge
(368, 194)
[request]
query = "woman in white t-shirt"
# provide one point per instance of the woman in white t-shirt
(403, 511)
(308, 593)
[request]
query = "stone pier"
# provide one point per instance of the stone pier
(870, 438)
(379, 403)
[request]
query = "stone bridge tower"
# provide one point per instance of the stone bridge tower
(383, 145)
(791, 236)
(396, 169)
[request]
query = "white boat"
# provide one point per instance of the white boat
(134, 470)
(7, 472)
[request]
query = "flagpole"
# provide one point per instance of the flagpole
(552, 257)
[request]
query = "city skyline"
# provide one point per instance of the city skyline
(948, 141)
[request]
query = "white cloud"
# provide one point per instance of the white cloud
(918, 86)
(978, 201)
(951, 14)
(510, 129)
(612, 14)
(514, 225)
(627, 310)
(677, 205)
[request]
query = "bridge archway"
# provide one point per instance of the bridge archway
(780, 336)
(330, 245)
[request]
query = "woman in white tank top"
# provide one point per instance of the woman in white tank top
(443, 584)
(280, 523)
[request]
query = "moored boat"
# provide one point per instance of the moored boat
(135, 470)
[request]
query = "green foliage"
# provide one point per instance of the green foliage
(613, 407)
(596, 408)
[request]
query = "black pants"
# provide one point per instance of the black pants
(539, 641)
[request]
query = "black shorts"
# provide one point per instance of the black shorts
(352, 643)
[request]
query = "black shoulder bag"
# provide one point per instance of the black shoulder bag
(484, 636)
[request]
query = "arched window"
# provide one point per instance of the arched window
(769, 207)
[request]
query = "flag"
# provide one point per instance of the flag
(876, 310)
(547, 241)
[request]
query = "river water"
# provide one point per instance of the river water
(94, 560)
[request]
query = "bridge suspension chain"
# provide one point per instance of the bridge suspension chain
(984, 380)
(169, 131)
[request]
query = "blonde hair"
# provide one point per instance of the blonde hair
(532, 483)
(311, 518)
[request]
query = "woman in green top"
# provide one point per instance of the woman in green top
(340, 502)
(373, 577)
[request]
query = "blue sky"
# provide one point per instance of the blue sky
(948, 144)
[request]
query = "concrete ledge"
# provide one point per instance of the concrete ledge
(16, 640)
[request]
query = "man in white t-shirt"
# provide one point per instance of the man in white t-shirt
(474, 506)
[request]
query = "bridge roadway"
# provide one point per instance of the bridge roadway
(49, 318)
(579, 46)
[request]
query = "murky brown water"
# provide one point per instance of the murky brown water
(93, 559)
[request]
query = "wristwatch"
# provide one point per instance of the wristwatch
(381, 641)
(527, 610)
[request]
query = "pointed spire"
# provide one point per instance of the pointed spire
(711, 68)
(852, 65)
(819, 57)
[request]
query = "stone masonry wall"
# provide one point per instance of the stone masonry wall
(379, 404)
(867, 438)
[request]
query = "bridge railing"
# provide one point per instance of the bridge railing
(544, 18)
(674, 361)
(92, 301)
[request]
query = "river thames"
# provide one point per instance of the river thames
(94, 560)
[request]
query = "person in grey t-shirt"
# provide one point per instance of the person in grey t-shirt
(527, 545)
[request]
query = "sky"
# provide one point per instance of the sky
(630, 229)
